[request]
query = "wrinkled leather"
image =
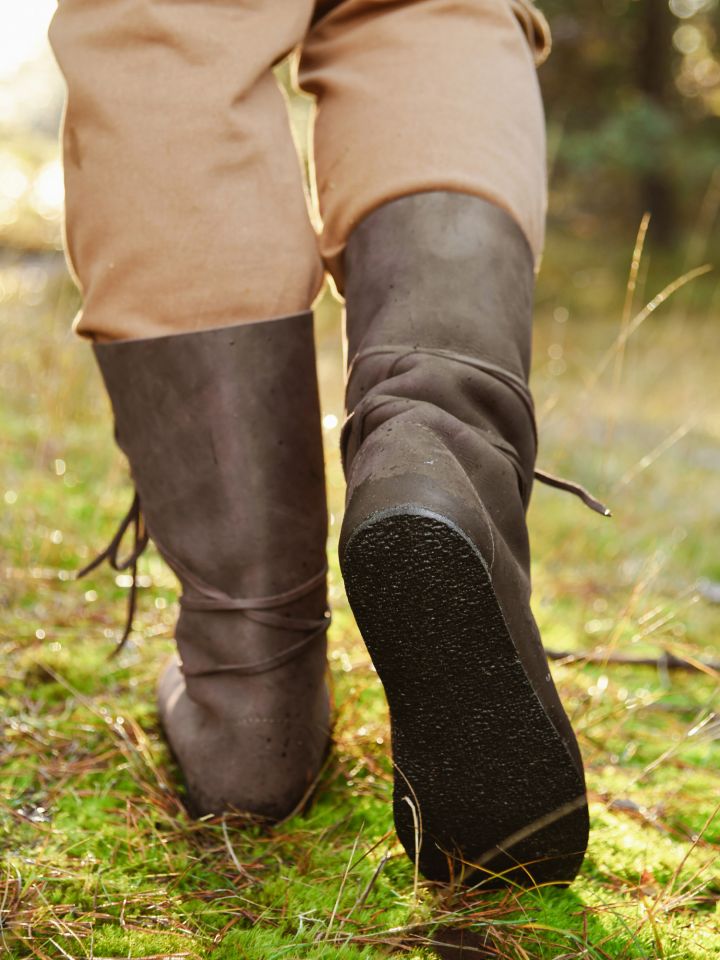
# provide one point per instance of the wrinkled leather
(448, 272)
(222, 432)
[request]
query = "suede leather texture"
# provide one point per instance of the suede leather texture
(222, 432)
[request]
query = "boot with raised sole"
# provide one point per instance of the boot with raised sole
(222, 432)
(439, 452)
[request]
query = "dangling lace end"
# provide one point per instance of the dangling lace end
(587, 498)
(141, 538)
(132, 604)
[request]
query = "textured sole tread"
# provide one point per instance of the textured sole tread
(500, 800)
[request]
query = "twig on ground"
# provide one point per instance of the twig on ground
(666, 661)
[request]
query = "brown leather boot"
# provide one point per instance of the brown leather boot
(439, 452)
(222, 431)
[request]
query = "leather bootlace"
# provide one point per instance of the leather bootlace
(509, 379)
(133, 518)
(203, 597)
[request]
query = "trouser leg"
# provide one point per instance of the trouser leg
(424, 95)
(184, 198)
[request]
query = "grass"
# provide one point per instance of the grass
(99, 857)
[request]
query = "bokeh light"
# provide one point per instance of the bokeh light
(23, 29)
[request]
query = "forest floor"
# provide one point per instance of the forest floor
(100, 858)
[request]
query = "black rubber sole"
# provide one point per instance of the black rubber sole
(482, 779)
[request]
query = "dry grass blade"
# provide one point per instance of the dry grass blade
(326, 934)
(625, 318)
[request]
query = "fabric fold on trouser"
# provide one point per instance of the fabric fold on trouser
(185, 204)
(423, 96)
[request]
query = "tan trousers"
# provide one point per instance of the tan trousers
(185, 206)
